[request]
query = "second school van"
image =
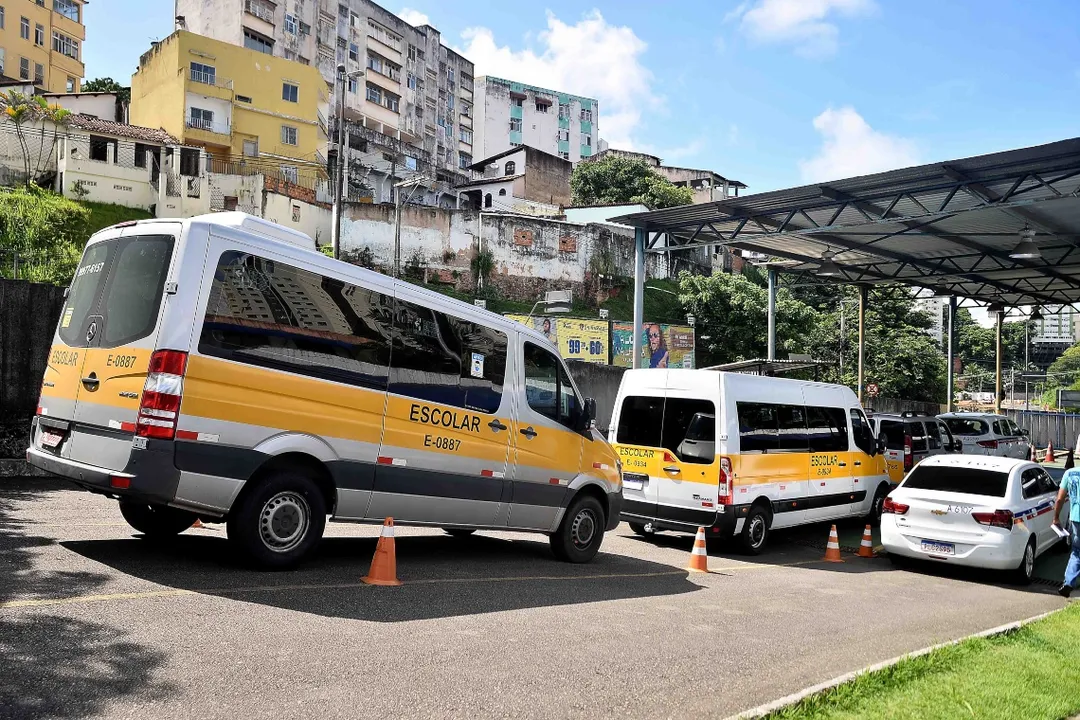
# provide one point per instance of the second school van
(220, 368)
(742, 454)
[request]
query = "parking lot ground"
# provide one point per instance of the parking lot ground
(96, 622)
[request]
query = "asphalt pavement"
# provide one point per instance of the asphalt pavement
(97, 622)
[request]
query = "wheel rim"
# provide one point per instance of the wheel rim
(583, 529)
(284, 521)
(1029, 561)
(757, 531)
(879, 502)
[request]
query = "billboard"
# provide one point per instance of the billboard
(662, 345)
(576, 338)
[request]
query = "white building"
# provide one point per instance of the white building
(935, 308)
(510, 113)
(1056, 326)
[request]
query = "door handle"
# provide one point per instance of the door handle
(858, 462)
(672, 469)
(841, 464)
(91, 382)
(496, 425)
(528, 432)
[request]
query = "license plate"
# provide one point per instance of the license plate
(51, 440)
(633, 481)
(938, 548)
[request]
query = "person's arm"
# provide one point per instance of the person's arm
(1059, 503)
(663, 361)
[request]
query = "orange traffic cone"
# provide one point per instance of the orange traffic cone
(866, 549)
(699, 559)
(1050, 452)
(197, 524)
(1034, 456)
(832, 550)
(384, 565)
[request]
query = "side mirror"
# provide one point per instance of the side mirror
(1024, 432)
(880, 445)
(588, 414)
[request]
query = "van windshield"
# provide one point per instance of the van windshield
(117, 287)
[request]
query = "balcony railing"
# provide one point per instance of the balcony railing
(207, 78)
(259, 10)
(208, 126)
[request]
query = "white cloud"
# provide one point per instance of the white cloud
(414, 17)
(591, 58)
(851, 147)
(802, 23)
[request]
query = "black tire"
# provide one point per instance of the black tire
(156, 522)
(1024, 572)
(874, 517)
(280, 520)
(581, 531)
(755, 532)
(459, 532)
(639, 529)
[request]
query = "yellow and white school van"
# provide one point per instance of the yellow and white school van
(221, 368)
(742, 454)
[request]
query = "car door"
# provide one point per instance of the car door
(547, 448)
(1004, 441)
(829, 482)
(862, 463)
(1037, 509)
(893, 433)
(934, 441)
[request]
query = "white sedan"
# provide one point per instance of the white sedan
(987, 512)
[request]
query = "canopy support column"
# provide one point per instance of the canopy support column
(639, 293)
(863, 292)
(997, 364)
(949, 376)
(773, 282)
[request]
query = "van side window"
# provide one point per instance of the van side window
(758, 427)
(918, 436)
(791, 420)
(263, 312)
(444, 359)
(689, 430)
(640, 421)
(861, 432)
(827, 428)
(547, 387)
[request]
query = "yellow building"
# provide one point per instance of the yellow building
(240, 104)
(41, 42)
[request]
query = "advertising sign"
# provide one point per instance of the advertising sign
(585, 340)
(663, 345)
(548, 327)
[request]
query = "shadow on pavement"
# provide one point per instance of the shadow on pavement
(443, 576)
(53, 666)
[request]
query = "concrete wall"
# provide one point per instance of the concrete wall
(99, 104)
(28, 314)
(547, 178)
(108, 183)
(312, 220)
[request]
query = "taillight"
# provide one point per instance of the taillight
(669, 458)
(725, 489)
(909, 460)
(988, 444)
(893, 507)
(164, 387)
(998, 518)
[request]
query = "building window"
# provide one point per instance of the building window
(2, 58)
(382, 97)
(564, 136)
(290, 92)
(288, 135)
(290, 24)
(296, 213)
(510, 168)
(374, 94)
(450, 74)
(65, 45)
(487, 200)
(542, 107)
(39, 35)
(588, 141)
(99, 148)
(354, 52)
(450, 103)
(72, 85)
(379, 64)
(410, 81)
(517, 101)
(466, 108)
(243, 99)
(1, 17)
(564, 155)
(288, 173)
(354, 85)
(142, 152)
(502, 192)
(251, 148)
(24, 28)
(515, 124)
(383, 35)
(200, 119)
(24, 68)
(39, 74)
(586, 116)
(205, 74)
(255, 41)
(564, 110)
(260, 9)
(466, 135)
(67, 8)
(464, 160)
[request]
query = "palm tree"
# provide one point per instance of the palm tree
(19, 109)
(59, 117)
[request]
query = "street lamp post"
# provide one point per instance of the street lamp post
(415, 182)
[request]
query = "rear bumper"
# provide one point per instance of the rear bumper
(993, 551)
(666, 517)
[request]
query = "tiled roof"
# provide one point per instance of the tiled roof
(110, 127)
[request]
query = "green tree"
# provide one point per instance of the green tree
(617, 180)
(53, 115)
(107, 84)
(1063, 374)
(19, 110)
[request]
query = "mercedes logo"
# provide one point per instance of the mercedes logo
(91, 331)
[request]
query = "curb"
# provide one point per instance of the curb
(763, 710)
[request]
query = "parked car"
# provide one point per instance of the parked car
(985, 512)
(910, 437)
(988, 434)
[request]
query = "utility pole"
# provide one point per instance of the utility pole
(415, 183)
(339, 169)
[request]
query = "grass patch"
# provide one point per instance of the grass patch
(1029, 674)
(103, 215)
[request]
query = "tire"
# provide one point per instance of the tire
(459, 532)
(156, 522)
(755, 532)
(280, 521)
(581, 531)
(1024, 572)
(874, 517)
(639, 529)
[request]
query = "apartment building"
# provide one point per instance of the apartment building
(41, 43)
(512, 114)
(1058, 325)
(408, 98)
(240, 105)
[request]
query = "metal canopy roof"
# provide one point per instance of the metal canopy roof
(947, 227)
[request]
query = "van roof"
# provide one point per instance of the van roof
(235, 219)
(653, 378)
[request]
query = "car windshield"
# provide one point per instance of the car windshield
(949, 478)
(967, 426)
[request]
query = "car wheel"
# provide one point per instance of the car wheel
(459, 532)
(280, 520)
(581, 531)
(755, 532)
(156, 521)
(1026, 571)
(639, 529)
(875, 507)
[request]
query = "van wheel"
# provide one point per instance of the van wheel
(156, 522)
(459, 532)
(581, 531)
(280, 520)
(755, 532)
(875, 507)
(1023, 574)
(639, 529)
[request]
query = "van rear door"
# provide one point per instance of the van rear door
(101, 354)
(690, 471)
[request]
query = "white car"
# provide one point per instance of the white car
(985, 512)
(988, 434)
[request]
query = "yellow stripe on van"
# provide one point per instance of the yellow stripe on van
(119, 370)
